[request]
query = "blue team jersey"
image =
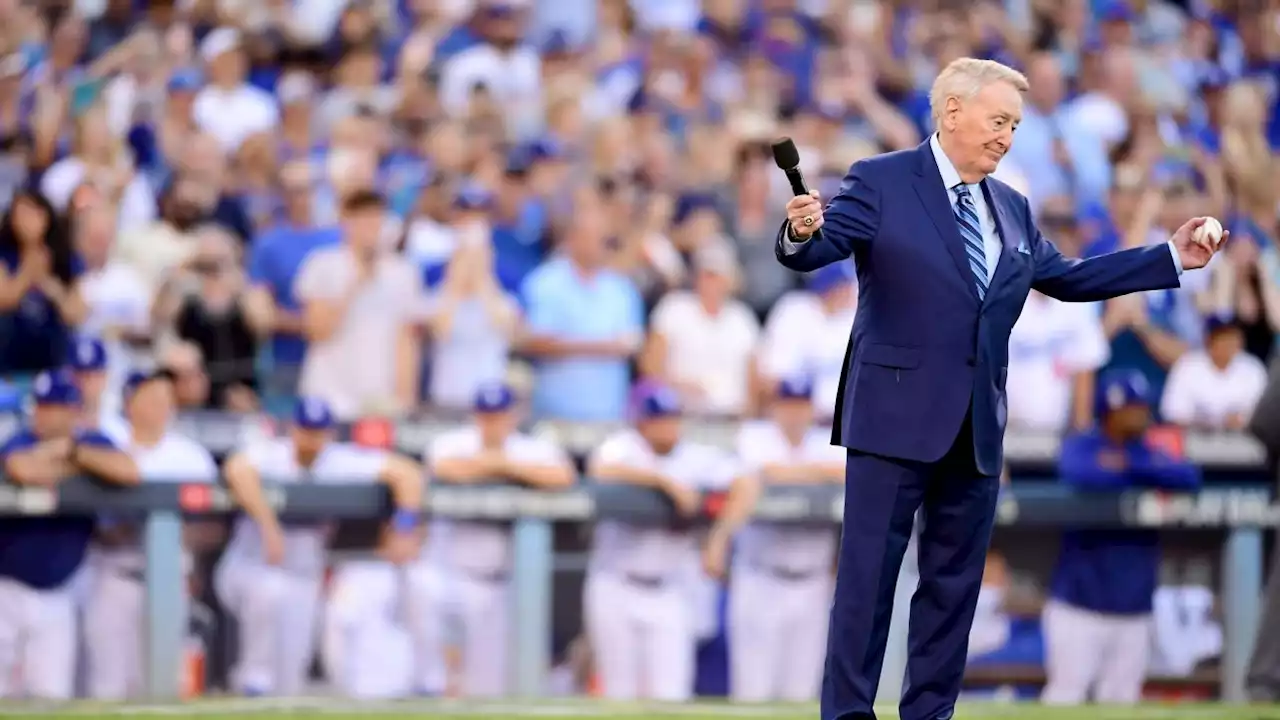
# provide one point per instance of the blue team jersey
(1114, 571)
(44, 552)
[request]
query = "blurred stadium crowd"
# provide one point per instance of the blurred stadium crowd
(391, 205)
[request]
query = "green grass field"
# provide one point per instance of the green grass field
(337, 709)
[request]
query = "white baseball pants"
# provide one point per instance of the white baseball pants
(642, 638)
(37, 642)
(427, 609)
(113, 635)
(1089, 652)
(777, 635)
(366, 650)
(481, 607)
(277, 612)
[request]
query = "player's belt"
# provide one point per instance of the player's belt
(648, 582)
(789, 575)
(135, 574)
(490, 576)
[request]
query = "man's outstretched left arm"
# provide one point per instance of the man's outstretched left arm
(1123, 272)
(1106, 276)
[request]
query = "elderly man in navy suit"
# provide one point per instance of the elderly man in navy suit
(945, 258)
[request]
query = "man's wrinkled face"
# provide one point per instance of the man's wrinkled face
(982, 126)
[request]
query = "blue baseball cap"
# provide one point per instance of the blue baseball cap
(55, 387)
(494, 398)
(1121, 388)
(558, 43)
(546, 148)
(690, 203)
(1213, 77)
(312, 413)
(657, 401)
(138, 378)
(89, 355)
(1219, 321)
(797, 387)
(1116, 11)
(500, 8)
(473, 197)
(830, 277)
(185, 80)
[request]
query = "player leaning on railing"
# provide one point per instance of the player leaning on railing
(272, 572)
(39, 556)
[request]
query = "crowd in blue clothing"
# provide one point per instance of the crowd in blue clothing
(1118, 88)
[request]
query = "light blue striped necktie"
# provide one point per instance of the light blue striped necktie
(971, 231)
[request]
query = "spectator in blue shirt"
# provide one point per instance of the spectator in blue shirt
(39, 287)
(585, 324)
(520, 218)
(274, 260)
(1097, 624)
(40, 555)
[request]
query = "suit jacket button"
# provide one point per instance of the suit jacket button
(970, 361)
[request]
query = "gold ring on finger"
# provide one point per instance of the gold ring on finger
(808, 220)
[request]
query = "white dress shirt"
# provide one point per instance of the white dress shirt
(990, 238)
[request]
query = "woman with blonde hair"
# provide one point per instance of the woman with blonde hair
(1245, 283)
(103, 160)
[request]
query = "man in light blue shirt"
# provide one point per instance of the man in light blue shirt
(585, 323)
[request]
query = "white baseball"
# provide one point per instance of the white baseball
(1209, 234)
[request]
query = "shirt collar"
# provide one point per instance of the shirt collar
(950, 176)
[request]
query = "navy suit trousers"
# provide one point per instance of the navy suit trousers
(882, 496)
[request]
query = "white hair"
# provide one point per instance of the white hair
(965, 77)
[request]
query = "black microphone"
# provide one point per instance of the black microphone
(787, 158)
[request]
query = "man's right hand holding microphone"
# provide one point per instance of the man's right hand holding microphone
(804, 213)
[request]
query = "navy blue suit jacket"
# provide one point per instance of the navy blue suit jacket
(924, 349)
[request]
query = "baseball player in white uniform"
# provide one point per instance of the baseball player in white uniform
(781, 583)
(476, 556)
(271, 574)
(116, 605)
(366, 647)
(639, 605)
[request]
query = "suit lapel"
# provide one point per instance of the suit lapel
(933, 196)
(1005, 230)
